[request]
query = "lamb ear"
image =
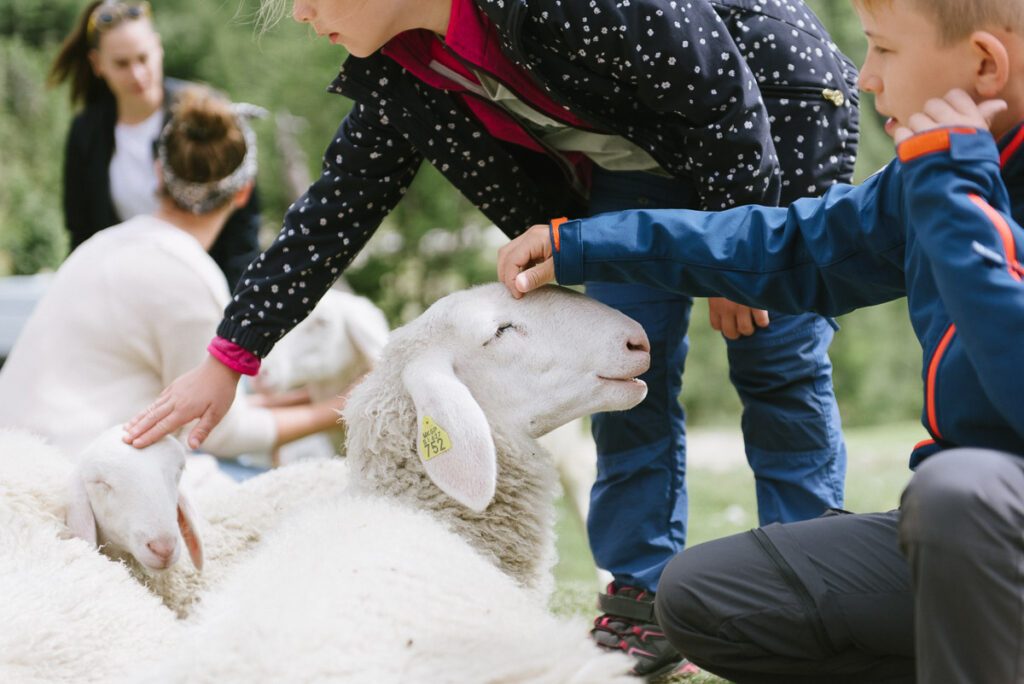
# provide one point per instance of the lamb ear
(453, 439)
(189, 530)
(78, 516)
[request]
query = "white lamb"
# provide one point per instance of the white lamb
(70, 613)
(448, 420)
(370, 591)
(129, 503)
(340, 340)
(111, 495)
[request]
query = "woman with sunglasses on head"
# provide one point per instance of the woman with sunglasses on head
(133, 306)
(113, 60)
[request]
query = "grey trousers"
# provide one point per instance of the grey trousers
(932, 593)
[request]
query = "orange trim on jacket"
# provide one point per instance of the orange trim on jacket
(556, 240)
(928, 142)
(1003, 228)
(933, 372)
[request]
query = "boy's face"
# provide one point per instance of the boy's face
(907, 64)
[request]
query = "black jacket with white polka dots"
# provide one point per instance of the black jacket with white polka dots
(747, 99)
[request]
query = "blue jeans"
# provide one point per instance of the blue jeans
(791, 426)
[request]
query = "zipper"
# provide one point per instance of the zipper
(933, 372)
(1005, 234)
(788, 574)
(995, 258)
(832, 95)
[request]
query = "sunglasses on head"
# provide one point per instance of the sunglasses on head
(109, 14)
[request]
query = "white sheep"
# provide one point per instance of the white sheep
(111, 495)
(367, 590)
(448, 419)
(335, 345)
(71, 614)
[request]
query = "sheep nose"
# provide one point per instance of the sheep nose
(162, 547)
(638, 342)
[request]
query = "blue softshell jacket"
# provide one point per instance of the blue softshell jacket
(941, 225)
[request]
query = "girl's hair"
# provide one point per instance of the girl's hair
(207, 151)
(270, 12)
(72, 61)
(956, 19)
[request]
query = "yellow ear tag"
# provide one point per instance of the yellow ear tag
(435, 441)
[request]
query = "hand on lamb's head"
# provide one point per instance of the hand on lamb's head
(128, 501)
(480, 360)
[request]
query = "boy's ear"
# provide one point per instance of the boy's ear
(993, 64)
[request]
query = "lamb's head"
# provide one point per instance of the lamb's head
(128, 501)
(479, 359)
(340, 340)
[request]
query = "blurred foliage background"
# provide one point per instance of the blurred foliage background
(435, 242)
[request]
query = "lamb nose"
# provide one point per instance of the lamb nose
(638, 343)
(162, 547)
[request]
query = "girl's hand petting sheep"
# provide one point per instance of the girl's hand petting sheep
(206, 392)
(526, 263)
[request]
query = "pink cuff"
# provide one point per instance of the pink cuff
(234, 357)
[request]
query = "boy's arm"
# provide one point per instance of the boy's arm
(960, 210)
(829, 255)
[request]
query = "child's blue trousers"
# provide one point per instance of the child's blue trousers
(790, 423)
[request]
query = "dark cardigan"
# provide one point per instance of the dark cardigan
(747, 102)
(89, 208)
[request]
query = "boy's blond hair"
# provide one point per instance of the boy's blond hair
(957, 19)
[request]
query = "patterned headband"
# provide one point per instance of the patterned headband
(201, 198)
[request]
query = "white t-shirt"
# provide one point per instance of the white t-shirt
(128, 312)
(133, 179)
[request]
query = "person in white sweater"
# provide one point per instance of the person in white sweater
(132, 308)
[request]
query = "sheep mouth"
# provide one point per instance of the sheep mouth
(635, 381)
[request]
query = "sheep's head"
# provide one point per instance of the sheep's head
(128, 500)
(339, 340)
(480, 358)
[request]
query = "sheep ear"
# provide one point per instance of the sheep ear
(454, 439)
(78, 516)
(189, 530)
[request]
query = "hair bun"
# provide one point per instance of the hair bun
(203, 118)
(204, 140)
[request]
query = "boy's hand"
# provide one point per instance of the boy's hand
(525, 263)
(735, 320)
(957, 108)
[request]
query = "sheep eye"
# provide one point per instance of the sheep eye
(502, 328)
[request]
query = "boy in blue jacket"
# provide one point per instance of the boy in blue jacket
(933, 590)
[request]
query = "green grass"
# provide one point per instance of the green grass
(722, 502)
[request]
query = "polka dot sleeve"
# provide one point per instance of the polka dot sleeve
(367, 168)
